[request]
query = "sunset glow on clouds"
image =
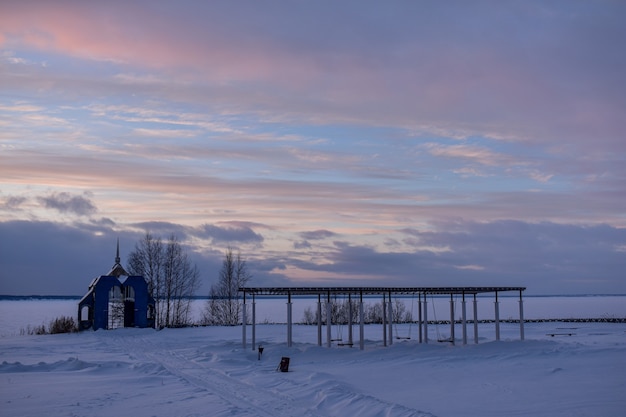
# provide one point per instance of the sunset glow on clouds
(400, 143)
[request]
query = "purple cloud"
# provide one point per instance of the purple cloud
(317, 234)
(229, 233)
(65, 202)
(13, 202)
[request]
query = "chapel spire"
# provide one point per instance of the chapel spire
(117, 255)
(117, 270)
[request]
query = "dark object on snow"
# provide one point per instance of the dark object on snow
(283, 366)
(260, 351)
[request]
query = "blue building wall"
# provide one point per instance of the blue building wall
(139, 310)
(144, 303)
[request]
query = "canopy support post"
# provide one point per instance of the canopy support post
(253, 322)
(451, 318)
(243, 322)
(521, 316)
(475, 320)
(319, 320)
(390, 320)
(349, 320)
(289, 321)
(497, 316)
(419, 315)
(361, 323)
(384, 320)
(464, 319)
(328, 321)
(425, 319)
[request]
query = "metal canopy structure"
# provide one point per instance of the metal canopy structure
(374, 290)
(387, 306)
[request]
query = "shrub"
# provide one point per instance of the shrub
(40, 329)
(31, 330)
(62, 324)
(309, 317)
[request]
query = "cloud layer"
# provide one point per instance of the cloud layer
(331, 142)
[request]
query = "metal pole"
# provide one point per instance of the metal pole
(497, 314)
(464, 319)
(289, 329)
(390, 320)
(349, 320)
(384, 321)
(243, 322)
(253, 322)
(328, 321)
(475, 320)
(521, 316)
(361, 323)
(319, 320)
(425, 319)
(419, 315)
(452, 319)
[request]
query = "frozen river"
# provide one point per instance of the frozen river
(17, 315)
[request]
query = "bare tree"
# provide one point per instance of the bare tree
(172, 278)
(147, 260)
(181, 280)
(224, 306)
(373, 313)
(400, 313)
(309, 316)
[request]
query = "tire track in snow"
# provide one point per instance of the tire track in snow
(320, 397)
(323, 395)
(245, 399)
(253, 399)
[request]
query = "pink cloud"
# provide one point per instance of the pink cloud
(398, 68)
(131, 34)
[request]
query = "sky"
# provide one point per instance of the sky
(365, 143)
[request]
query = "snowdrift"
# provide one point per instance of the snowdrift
(205, 371)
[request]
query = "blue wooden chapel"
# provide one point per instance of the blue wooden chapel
(113, 301)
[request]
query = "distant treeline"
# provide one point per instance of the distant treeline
(39, 297)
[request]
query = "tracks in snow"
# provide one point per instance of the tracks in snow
(242, 399)
(287, 395)
(246, 399)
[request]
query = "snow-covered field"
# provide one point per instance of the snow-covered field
(204, 371)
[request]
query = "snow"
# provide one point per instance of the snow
(205, 371)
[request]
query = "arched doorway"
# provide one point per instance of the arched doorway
(115, 308)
